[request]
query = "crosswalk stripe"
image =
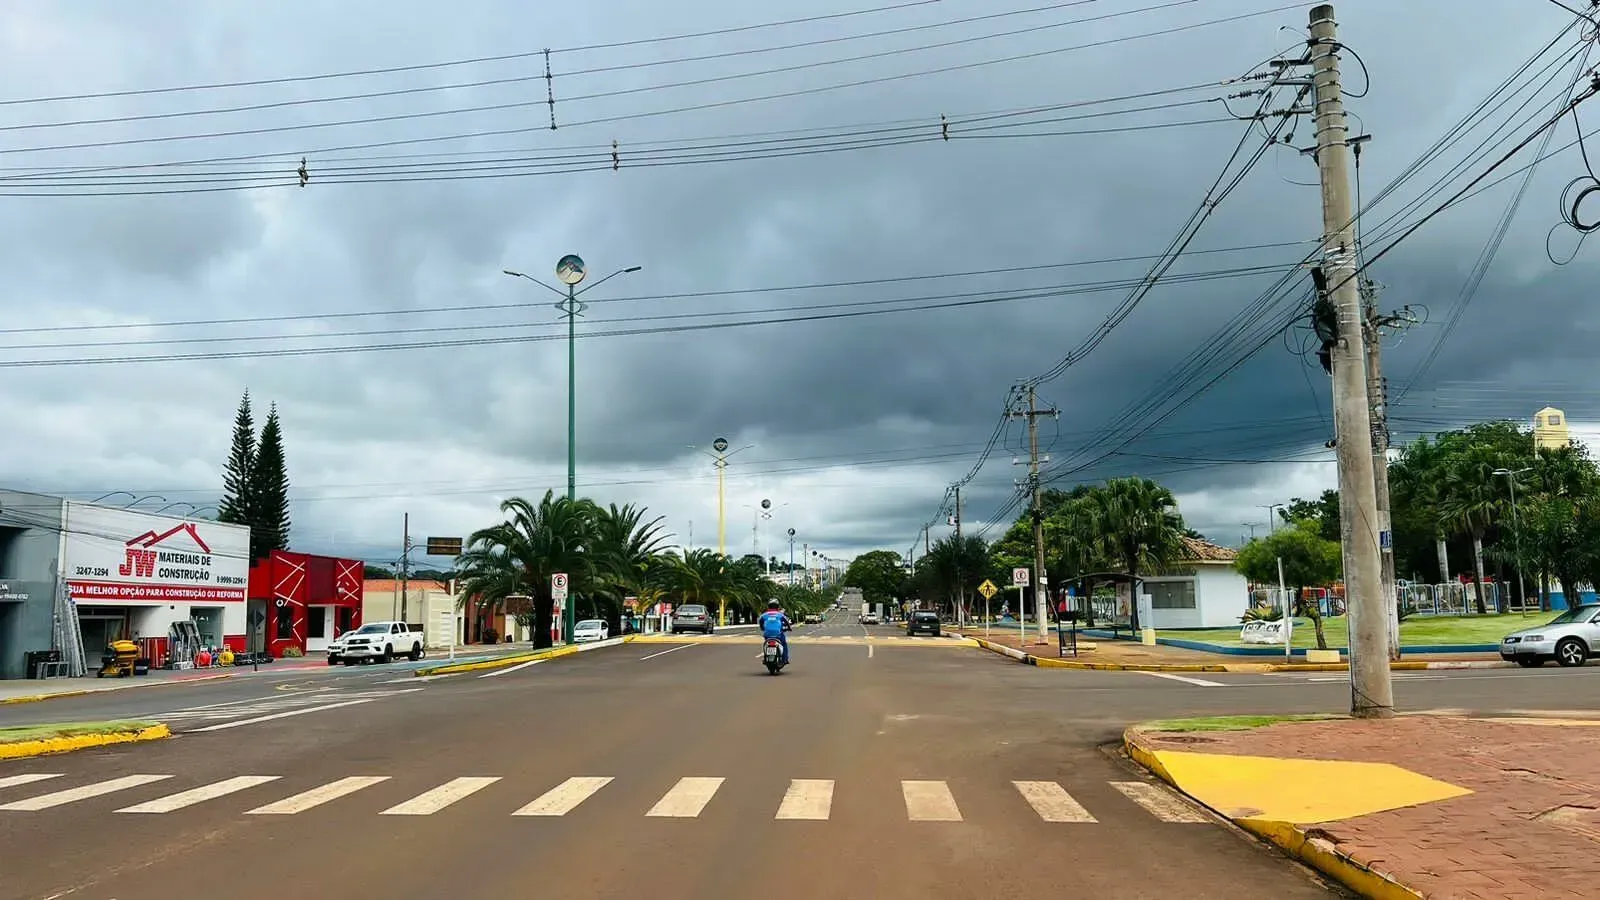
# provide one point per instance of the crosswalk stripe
(687, 798)
(1159, 803)
(14, 780)
(1052, 802)
(929, 801)
(200, 794)
(430, 802)
(317, 796)
(72, 795)
(564, 797)
(807, 798)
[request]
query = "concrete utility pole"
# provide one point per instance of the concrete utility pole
(1041, 585)
(1372, 692)
(405, 563)
(1378, 398)
(961, 585)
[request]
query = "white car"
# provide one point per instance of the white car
(590, 630)
(378, 641)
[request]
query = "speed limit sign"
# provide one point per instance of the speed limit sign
(558, 586)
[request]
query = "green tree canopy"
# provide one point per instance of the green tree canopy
(879, 575)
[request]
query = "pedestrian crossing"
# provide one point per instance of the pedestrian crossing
(804, 799)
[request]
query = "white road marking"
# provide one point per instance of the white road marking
(869, 651)
(317, 796)
(430, 802)
(1052, 802)
(14, 780)
(1161, 803)
(807, 798)
(509, 669)
(929, 801)
(200, 794)
(686, 799)
(1186, 680)
(665, 652)
(238, 723)
(71, 795)
(564, 797)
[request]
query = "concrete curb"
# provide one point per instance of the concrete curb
(1297, 841)
(82, 692)
(27, 749)
(1045, 662)
(500, 662)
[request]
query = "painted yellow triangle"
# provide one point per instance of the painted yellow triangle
(1300, 791)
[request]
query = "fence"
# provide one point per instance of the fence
(1448, 599)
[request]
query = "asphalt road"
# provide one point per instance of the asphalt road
(679, 770)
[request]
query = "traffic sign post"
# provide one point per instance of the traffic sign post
(987, 589)
(1019, 580)
(1019, 576)
(558, 596)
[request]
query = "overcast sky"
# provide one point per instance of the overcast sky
(738, 186)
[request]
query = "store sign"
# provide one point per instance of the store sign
(14, 592)
(125, 556)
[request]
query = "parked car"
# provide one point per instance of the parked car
(590, 630)
(870, 618)
(923, 620)
(693, 617)
(813, 619)
(1570, 639)
(381, 641)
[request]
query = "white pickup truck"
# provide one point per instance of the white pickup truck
(382, 641)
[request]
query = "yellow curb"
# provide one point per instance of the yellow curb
(36, 698)
(25, 749)
(497, 663)
(1294, 840)
(1046, 662)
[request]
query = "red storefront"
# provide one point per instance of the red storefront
(303, 601)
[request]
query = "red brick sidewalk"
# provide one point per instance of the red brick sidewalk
(1528, 830)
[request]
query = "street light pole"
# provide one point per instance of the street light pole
(719, 453)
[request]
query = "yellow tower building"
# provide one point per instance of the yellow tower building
(1550, 430)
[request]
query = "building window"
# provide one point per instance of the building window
(1171, 594)
(1555, 420)
(285, 622)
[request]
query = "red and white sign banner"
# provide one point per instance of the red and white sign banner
(125, 556)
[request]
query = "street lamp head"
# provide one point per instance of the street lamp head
(631, 269)
(791, 532)
(720, 444)
(512, 274)
(570, 269)
(766, 504)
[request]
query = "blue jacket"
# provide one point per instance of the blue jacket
(772, 623)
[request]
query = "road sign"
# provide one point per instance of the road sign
(987, 589)
(558, 586)
(444, 546)
(1386, 540)
(1019, 576)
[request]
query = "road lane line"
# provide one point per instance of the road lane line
(1186, 680)
(430, 802)
(14, 780)
(317, 796)
(509, 669)
(807, 798)
(71, 795)
(869, 651)
(1159, 802)
(686, 799)
(929, 801)
(665, 652)
(564, 797)
(200, 794)
(237, 723)
(1052, 802)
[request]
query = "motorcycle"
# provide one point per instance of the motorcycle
(772, 656)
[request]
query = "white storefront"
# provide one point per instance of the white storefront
(132, 574)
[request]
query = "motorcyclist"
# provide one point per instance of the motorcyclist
(775, 625)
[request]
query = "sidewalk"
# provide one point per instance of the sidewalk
(1090, 650)
(1426, 805)
(29, 690)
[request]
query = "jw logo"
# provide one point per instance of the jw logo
(140, 564)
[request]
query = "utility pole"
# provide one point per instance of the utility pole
(1378, 399)
(961, 585)
(405, 564)
(927, 547)
(1372, 692)
(1041, 589)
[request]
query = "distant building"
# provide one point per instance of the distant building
(1550, 431)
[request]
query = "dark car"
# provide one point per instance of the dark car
(693, 617)
(923, 620)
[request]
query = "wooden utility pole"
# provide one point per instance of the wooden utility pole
(1041, 584)
(1372, 692)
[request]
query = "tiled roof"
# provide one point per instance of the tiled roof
(1199, 550)
(390, 585)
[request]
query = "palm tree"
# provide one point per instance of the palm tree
(519, 555)
(1471, 502)
(1418, 480)
(625, 548)
(1076, 547)
(1139, 526)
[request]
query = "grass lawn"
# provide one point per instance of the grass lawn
(17, 733)
(1416, 631)
(1229, 723)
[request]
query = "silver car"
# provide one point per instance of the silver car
(1569, 639)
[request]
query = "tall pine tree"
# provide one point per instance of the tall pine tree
(236, 507)
(269, 491)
